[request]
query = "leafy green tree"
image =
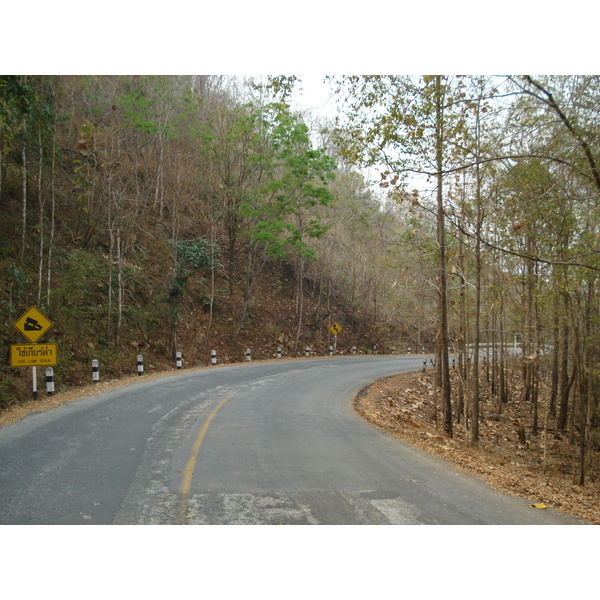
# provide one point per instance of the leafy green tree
(231, 147)
(14, 103)
(281, 211)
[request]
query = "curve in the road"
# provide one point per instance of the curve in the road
(269, 443)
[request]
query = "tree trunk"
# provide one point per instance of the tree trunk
(442, 275)
(555, 359)
(299, 301)
(52, 218)
(119, 287)
(232, 224)
(502, 397)
(460, 407)
(213, 242)
(565, 381)
(24, 188)
(534, 396)
(582, 389)
(251, 276)
(477, 333)
(41, 216)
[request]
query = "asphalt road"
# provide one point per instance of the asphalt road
(256, 443)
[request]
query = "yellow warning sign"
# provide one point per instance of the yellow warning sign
(335, 329)
(33, 324)
(33, 355)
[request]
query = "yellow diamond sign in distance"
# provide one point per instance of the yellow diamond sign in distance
(335, 329)
(33, 324)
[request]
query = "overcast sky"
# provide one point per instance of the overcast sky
(315, 94)
(237, 37)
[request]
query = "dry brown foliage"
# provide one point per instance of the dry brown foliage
(404, 405)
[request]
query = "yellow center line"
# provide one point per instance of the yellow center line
(186, 483)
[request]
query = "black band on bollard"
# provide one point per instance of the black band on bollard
(49, 381)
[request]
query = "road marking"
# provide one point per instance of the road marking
(186, 482)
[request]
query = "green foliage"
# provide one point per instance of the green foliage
(138, 106)
(6, 398)
(281, 86)
(282, 211)
(18, 282)
(27, 115)
(192, 255)
(156, 106)
(197, 254)
(16, 93)
(81, 292)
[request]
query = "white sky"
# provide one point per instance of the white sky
(315, 94)
(264, 36)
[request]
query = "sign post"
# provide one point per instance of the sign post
(33, 325)
(335, 329)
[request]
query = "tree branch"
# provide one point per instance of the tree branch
(493, 159)
(566, 263)
(550, 101)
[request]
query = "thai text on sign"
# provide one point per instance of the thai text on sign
(33, 355)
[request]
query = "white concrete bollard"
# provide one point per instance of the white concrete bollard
(49, 381)
(95, 371)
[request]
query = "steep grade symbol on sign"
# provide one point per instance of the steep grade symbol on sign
(33, 324)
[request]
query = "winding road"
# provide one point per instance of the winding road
(256, 443)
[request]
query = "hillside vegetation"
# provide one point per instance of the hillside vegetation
(156, 215)
(161, 214)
